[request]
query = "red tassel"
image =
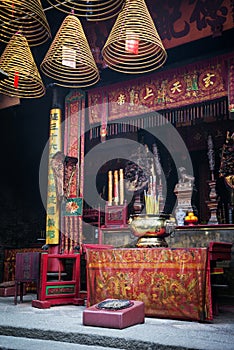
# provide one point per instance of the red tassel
(16, 80)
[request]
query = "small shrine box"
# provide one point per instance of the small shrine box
(115, 215)
(115, 318)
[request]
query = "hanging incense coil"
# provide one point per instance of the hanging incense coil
(93, 10)
(69, 59)
(24, 80)
(134, 45)
(3, 75)
(26, 16)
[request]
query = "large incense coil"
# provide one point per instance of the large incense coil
(69, 60)
(134, 24)
(94, 10)
(24, 80)
(3, 75)
(26, 16)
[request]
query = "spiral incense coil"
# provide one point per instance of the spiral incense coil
(24, 80)
(3, 75)
(69, 59)
(93, 10)
(26, 16)
(133, 45)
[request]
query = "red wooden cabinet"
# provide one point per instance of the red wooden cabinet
(60, 287)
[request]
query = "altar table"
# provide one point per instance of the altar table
(172, 283)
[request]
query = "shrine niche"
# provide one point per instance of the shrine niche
(195, 99)
(190, 100)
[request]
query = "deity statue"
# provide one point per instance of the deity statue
(137, 174)
(138, 170)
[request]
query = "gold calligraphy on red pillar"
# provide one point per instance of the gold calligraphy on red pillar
(53, 208)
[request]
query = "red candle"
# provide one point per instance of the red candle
(116, 188)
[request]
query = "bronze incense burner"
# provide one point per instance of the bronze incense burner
(152, 229)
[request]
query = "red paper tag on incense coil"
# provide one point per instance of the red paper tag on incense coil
(16, 80)
(132, 42)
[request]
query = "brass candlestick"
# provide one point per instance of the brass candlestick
(212, 203)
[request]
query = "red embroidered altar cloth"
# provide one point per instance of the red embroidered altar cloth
(173, 283)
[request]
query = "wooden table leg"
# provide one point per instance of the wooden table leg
(16, 292)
